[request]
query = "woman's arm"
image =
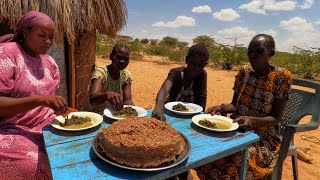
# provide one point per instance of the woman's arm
(163, 93)
(12, 106)
(200, 91)
(97, 96)
(275, 116)
(127, 98)
(224, 108)
(158, 111)
(248, 122)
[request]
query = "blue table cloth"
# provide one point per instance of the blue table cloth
(71, 155)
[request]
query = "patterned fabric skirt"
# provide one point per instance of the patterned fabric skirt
(262, 157)
(23, 156)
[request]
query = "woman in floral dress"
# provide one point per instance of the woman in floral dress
(29, 79)
(260, 95)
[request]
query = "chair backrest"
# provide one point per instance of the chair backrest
(301, 103)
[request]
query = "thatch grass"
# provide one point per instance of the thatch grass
(71, 17)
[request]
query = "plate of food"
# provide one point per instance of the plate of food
(215, 123)
(77, 121)
(147, 144)
(183, 108)
(127, 111)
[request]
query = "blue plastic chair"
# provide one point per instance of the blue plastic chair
(300, 104)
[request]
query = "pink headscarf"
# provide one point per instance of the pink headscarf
(30, 19)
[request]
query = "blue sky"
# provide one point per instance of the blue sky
(291, 22)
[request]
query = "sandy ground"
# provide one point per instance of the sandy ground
(148, 75)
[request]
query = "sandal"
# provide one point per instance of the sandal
(312, 139)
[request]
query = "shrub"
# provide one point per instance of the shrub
(135, 46)
(215, 55)
(169, 41)
(205, 40)
(104, 44)
(144, 41)
(231, 57)
(158, 50)
(178, 54)
(154, 41)
(304, 62)
(309, 62)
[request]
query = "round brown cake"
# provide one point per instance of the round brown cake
(141, 142)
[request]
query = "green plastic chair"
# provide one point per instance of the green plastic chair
(300, 104)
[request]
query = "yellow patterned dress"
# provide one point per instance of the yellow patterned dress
(256, 96)
(108, 84)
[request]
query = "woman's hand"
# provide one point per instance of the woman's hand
(245, 123)
(115, 99)
(158, 114)
(214, 110)
(69, 111)
(57, 103)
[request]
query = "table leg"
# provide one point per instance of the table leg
(243, 167)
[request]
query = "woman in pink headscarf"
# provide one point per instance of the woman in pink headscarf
(29, 79)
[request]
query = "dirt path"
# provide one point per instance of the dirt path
(149, 74)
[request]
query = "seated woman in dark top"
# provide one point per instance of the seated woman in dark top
(186, 84)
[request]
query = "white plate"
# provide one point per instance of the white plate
(215, 118)
(194, 108)
(109, 112)
(96, 119)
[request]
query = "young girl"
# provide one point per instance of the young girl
(186, 84)
(111, 85)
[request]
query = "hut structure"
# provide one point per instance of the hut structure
(77, 22)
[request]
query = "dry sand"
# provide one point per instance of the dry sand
(148, 75)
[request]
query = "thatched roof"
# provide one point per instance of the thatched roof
(71, 16)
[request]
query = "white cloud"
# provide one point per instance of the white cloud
(236, 31)
(306, 4)
(296, 24)
(271, 32)
(254, 7)
(202, 9)
(299, 39)
(178, 22)
(144, 31)
(272, 5)
(261, 6)
(317, 22)
(226, 15)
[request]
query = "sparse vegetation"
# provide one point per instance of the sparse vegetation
(302, 62)
(144, 41)
(205, 40)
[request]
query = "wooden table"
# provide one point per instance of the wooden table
(71, 155)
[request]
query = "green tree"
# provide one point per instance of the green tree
(135, 46)
(104, 44)
(123, 39)
(144, 41)
(205, 40)
(182, 44)
(169, 41)
(232, 56)
(309, 61)
(154, 41)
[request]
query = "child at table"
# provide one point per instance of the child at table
(111, 85)
(186, 84)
